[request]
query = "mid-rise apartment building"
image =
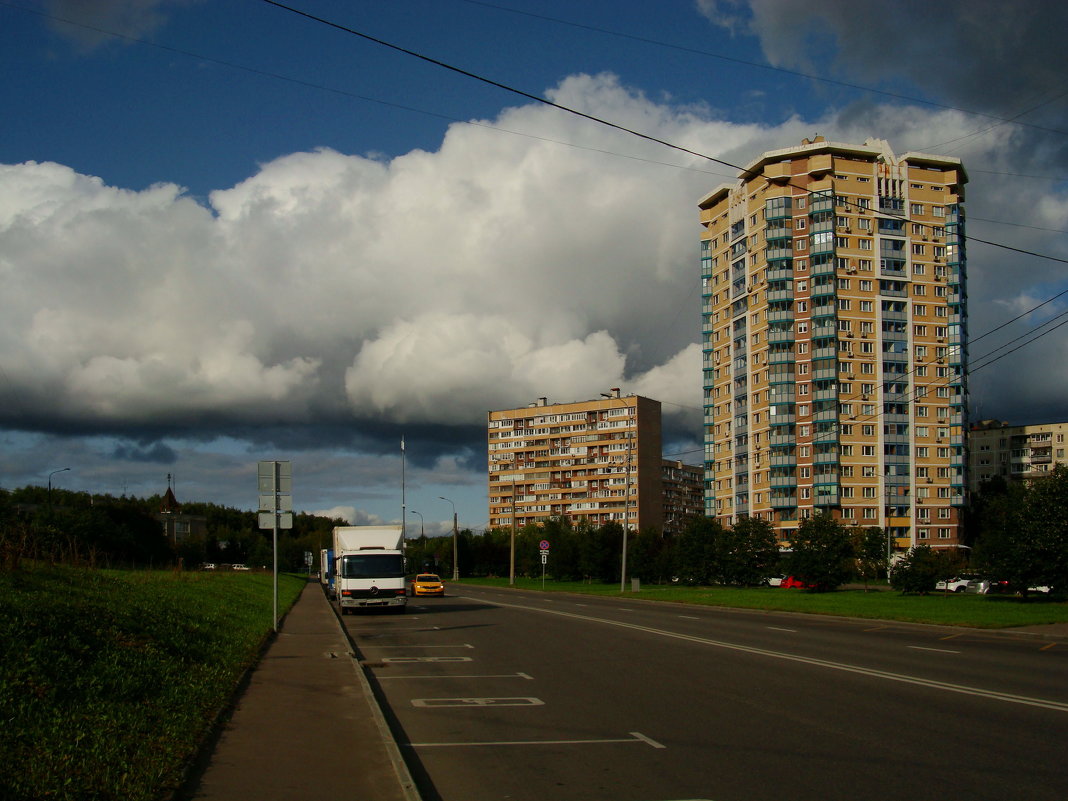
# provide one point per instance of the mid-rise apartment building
(596, 461)
(834, 329)
(682, 490)
(996, 448)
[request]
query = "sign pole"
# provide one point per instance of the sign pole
(274, 545)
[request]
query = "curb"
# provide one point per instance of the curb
(400, 767)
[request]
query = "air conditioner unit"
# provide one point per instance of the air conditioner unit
(851, 269)
(930, 481)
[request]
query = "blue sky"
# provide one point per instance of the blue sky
(230, 233)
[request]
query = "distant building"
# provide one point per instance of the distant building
(178, 527)
(595, 461)
(834, 331)
(683, 494)
(996, 448)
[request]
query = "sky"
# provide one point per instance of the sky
(231, 233)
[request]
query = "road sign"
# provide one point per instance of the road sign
(544, 557)
(544, 545)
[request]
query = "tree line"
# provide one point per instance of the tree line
(107, 531)
(1015, 532)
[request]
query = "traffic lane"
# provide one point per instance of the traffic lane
(1012, 664)
(735, 724)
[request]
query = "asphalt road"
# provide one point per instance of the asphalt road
(504, 694)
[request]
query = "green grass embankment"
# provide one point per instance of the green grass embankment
(952, 609)
(110, 680)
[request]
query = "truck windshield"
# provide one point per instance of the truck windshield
(379, 565)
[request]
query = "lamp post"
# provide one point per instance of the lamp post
(511, 548)
(455, 563)
(61, 470)
(413, 512)
(614, 395)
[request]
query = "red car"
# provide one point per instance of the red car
(790, 581)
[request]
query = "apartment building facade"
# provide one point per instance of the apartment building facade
(595, 461)
(996, 448)
(835, 326)
(682, 490)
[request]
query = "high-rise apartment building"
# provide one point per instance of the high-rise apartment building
(834, 329)
(596, 461)
(1029, 451)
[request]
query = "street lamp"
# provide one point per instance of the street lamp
(455, 563)
(511, 549)
(614, 395)
(61, 470)
(413, 512)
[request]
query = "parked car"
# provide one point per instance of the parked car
(240, 567)
(208, 566)
(427, 584)
(956, 584)
(790, 581)
(774, 581)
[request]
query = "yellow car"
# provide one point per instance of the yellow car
(427, 584)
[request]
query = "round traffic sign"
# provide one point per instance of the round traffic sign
(544, 545)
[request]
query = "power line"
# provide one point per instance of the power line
(770, 68)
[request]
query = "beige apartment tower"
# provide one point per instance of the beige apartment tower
(834, 331)
(595, 461)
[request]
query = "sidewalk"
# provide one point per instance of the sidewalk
(307, 724)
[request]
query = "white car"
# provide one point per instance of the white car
(240, 567)
(774, 581)
(956, 584)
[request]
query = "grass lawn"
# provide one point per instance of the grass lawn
(109, 680)
(952, 609)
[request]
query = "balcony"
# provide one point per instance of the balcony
(775, 295)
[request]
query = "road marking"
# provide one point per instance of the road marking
(876, 628)
(951, 636)
(636, 737)
(383, 647)
(689, 617)
(936, 650)
(776, 628)
(401, 660)
(435, 703)
(1057, 706)
(1047, 646)
(526, 676)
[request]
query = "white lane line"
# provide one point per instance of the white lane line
(776, 628)
(383, 647)
(936, 650)
(407, 660)
(478, 703)
(1057, 706)
(525, 676)
(688, 617)
(636, 737)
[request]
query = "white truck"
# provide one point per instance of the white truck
(368, 568)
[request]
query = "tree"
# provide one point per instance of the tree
(746, 553)
(1025, 538)
(822, 553)
(869, 544)
(919, 570)
(695, 554)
